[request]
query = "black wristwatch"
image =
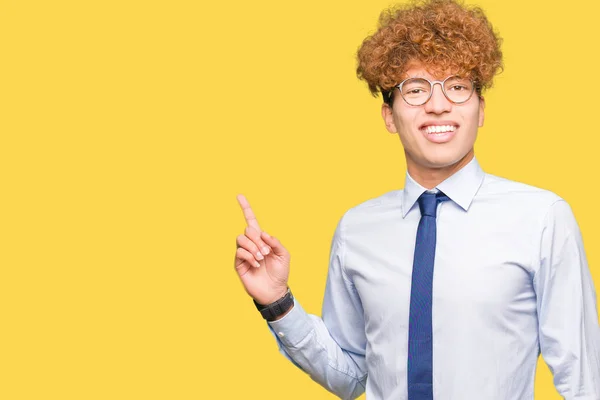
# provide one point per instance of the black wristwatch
(272, 311)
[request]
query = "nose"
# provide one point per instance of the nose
(438, 103)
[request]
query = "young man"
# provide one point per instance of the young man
(450, 288)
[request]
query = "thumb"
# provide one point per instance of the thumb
(275, 244)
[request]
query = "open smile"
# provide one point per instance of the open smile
(439, 132)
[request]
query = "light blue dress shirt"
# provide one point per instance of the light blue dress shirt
(511, 279)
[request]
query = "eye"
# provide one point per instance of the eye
(458, 88)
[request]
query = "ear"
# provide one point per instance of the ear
(481, 110)
(388, 117)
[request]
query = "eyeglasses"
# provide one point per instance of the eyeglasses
(418, 91)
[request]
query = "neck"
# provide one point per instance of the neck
(430, 177)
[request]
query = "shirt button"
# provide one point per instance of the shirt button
(281, 334)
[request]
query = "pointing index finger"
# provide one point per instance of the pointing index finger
(248, 213)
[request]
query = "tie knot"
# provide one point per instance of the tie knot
(428, 202)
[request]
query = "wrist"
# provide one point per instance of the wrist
(278, 308)
(272, 297)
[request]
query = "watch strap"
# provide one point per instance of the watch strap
(272, 311)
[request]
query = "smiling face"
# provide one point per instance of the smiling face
(438, 135)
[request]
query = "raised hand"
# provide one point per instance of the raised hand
(261, 261)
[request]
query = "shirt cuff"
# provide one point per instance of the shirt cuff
(293, 327)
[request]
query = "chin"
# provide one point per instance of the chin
(443, 160)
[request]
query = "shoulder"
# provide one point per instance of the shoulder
(517, 194)
(373, 210)
(530, 204)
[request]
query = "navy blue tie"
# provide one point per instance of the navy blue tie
(420, 335)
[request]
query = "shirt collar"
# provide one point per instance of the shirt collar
(460, 187)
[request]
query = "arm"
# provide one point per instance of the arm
(566, 305)
(331, 350)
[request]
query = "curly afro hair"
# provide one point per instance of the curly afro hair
(441, 35)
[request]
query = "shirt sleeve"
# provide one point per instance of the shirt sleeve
(566, 304)
(330, 349)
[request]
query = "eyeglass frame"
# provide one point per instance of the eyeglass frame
(388, 98)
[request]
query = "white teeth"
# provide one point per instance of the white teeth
(439, 128)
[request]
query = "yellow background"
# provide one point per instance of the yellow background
(128, 127)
